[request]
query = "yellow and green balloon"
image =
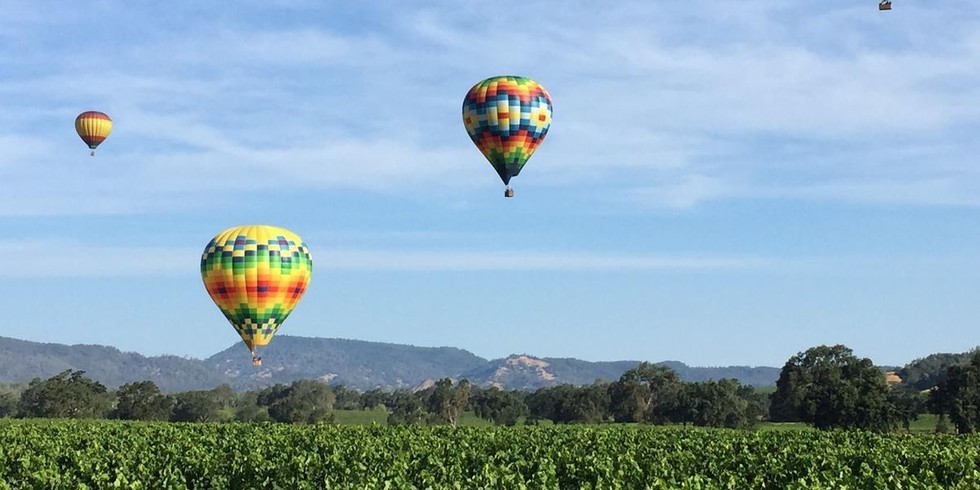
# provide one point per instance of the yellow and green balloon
(256, 274)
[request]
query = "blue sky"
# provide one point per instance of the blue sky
(723, 183)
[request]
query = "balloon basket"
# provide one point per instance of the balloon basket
(508, 192)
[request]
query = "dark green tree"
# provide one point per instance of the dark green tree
(373, 398)
(68, 394)
(564, 404)
(958, 396)
(499, 406)
(304, 401)
(247, 408)
(715, 404)
(142, 401)
(446, 401)
(196, 406)
(907, 404)
(8, 405)
(345, 398)
(830, 387)
(630, 397)
(405, 408)
(647, 393)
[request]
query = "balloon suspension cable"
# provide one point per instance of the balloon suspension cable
(508, 191)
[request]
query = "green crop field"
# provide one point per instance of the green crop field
(102, 454)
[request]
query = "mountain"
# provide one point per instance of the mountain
(529, 373)
(354, 363)
(22, 361)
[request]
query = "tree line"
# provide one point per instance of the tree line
(826, 386)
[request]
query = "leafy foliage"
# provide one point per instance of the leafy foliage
(499, 406)
(108, 454)
(68, 394)
(830, 387)
(142, 401)
(958, 396)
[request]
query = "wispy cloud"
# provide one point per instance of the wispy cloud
(655, 103)
(41, 259)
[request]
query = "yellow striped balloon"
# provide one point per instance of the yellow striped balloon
(93, 127)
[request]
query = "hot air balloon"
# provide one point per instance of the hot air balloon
(507, 118)
(93, 127)
(256, 274)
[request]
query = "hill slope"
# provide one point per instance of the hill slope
(354, 363)
(21, 361)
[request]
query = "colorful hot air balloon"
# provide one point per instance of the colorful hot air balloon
(93, 127)
(507, 118)
(256, 274)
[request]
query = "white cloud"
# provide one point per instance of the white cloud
(46, 259)
(663, 105)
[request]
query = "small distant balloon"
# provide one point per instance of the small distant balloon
(93, 127)
(256, 274)
(507, 117)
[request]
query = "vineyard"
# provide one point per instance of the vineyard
(70, 454)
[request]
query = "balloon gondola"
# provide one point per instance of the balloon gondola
(256, 275)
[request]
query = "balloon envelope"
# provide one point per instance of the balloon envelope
(507, 117)
(93, 127)
(256, 274)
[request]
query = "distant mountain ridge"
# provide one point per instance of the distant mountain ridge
(355, 363)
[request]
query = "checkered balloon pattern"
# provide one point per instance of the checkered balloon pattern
(507, 118)
(256, 274)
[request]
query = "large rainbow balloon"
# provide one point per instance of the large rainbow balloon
(256, 275)
(93, 127)
(507, 118)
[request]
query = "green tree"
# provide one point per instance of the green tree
(345, 398)
(906, 404)
(247, 408)
(142, 401)
(304, 401)
(405, 408)
(499, 406)
(68, 394)
(565, 404)
(630, 397)
(372, 398)
(8, 405)
(958, 396)
(196, 406)
(647, 393)
(715, 404)
(447, 401)
(830, 387)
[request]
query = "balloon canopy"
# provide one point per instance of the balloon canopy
(507, 118)
(93, 127)
(256, 275)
